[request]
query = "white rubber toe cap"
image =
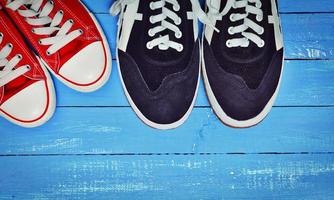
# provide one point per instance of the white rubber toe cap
(87, 66)
(29, 104)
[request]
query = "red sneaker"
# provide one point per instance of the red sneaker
(68, 39)
(27, 95)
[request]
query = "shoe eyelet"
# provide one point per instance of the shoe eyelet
(262, 31)
(28, 67)
(232, 18)
(150, 33)
(230, 31)
(151, 20)
(1, 35)
(51, 2)
(81, 31)
(151, 5)
(33, 30)
(40, 42)
(148, 45)
(19, 56)
(259, 18)
(262, 44)
(228, 44)
(180, 48)
(178, 35)
(10, 45)
(176, 8)
(61, 12)
(48, 53)
(178, 21)
(71, 21)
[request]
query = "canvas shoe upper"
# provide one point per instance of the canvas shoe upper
(243, 60)
(67, 38)
(159, 58)
(27, 96)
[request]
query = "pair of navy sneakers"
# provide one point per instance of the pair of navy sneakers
(160, 57)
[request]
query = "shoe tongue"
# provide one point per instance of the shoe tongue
(241, 54)
(156, 52)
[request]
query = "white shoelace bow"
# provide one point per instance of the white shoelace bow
(37, 16)
(247, 23)
(164, 42)
(7, 67)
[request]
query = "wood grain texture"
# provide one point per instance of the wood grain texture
(286, 177)
(118, 131)
(96, 148)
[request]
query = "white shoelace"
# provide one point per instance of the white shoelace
(45, 25)
(164, 42)
(7, 67)
(251, 7)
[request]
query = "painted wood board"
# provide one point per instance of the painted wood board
(118, 131)
(286, 177)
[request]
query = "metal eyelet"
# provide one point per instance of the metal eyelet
(1, 34)
(178, 21)
(176, 8)
(48, 53)
(71, 21)
(178, 35)
(81, 31)
(28, 67)
(180, 48)
(230, 30)
(19, 56)
(150, 33)
(148, 45)
(232, 18)
(151, 20)
(228, 44)
(262, 31)
(151, 5)
(61, 12)
(262, 44)
(10, 45)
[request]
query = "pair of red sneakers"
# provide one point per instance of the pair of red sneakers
(59, 35)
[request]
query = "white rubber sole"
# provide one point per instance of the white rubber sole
(103, 80)
(51, 109)
(220, 112)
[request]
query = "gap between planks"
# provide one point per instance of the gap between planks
(166, 154)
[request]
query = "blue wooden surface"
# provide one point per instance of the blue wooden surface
(96, 148)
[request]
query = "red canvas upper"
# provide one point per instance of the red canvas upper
(11, 35)
(73, 9)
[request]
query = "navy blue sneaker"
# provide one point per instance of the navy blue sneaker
(159, 58)
(243, 61)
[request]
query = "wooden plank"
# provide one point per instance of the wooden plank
(305, 83)
(102, 6)
(118, 131)
(286, 177)
(307, 36)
